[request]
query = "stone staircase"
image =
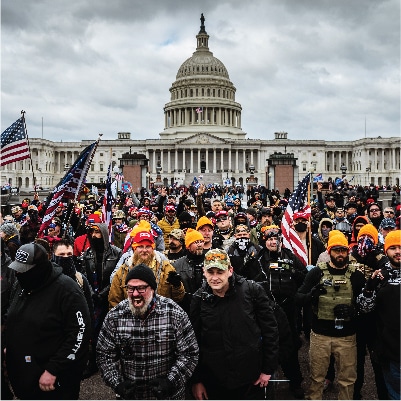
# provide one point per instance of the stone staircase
(208, 178)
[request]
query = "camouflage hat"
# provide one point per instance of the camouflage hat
(177, 233)
(216, 258)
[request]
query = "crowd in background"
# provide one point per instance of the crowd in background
(174, 231)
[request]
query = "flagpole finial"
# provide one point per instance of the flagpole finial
(23, 112)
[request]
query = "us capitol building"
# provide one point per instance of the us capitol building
(202, 137)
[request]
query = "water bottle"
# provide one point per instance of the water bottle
(338, 323)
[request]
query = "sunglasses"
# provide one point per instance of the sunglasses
(374, 210)
(389, 211)
(222, 218)
(140, 288)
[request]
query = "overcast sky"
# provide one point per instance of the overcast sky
(313, 68)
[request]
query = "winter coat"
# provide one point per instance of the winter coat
(47, 329)
(237, 334)
(111, 256)
(161, 269)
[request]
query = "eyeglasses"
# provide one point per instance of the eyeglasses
(140, 288)
(94, 231)
(389, 211)
(374, 210)
(144, 216)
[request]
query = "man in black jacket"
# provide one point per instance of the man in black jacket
(48, 329)
(237, 332)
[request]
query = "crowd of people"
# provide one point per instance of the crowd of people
(189, 294)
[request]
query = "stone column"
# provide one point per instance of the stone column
(176, 160)
(192, 161)
(236, 162)
(214, 160)
(169, 160)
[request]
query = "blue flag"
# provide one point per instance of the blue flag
(195, 183)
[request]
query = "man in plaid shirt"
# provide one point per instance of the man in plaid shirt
(147, 348)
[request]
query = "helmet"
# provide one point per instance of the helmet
(118, 214)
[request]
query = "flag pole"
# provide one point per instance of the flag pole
(310, 186)
(30, 155)
(79, 186)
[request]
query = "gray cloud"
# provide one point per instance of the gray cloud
(315, 69)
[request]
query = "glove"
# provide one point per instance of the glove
(317, 290)
(174, 279)
(162, 388)
(126, 389)
(344, 311)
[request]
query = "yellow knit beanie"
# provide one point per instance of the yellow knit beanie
(191, 236)
(393, 238)
(369, 229)
(143, 225)
(336, 238)
(203, 221)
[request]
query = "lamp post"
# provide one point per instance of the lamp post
(343, 169)
(148, 180)
(368, 171)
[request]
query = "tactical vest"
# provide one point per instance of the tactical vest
(339, 291)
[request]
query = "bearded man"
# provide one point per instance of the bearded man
(147, 348)
(169, 283)
(332, 288)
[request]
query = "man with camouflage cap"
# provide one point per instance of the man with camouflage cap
(176, 248)
(230, 312)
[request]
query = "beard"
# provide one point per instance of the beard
(139, 311)
(147, 260)
(394, 262)
(339, 261)
(173, 246)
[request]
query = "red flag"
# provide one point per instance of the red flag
(297, 203)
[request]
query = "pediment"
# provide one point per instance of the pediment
(203, 139)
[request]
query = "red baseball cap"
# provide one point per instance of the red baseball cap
(169, 208)
(143, 238)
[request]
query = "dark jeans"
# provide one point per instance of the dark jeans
(365, 339)
(291, 367)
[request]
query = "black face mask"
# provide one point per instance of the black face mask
(35, 277)
(97, 244)
(67, 264)
(301, 227)
(186, 224)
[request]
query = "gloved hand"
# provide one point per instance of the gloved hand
(174, 279)
(344, 311)
(126, 389)
(96, 298)
(162, 388)
(317, 290)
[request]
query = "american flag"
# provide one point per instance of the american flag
(195, 183)
(119, 177)
(199, 110)
(108, 201)
(14, 143)
(297, 203)
(318, 178)
(70, 184)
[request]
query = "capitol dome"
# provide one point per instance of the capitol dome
(202, 97)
